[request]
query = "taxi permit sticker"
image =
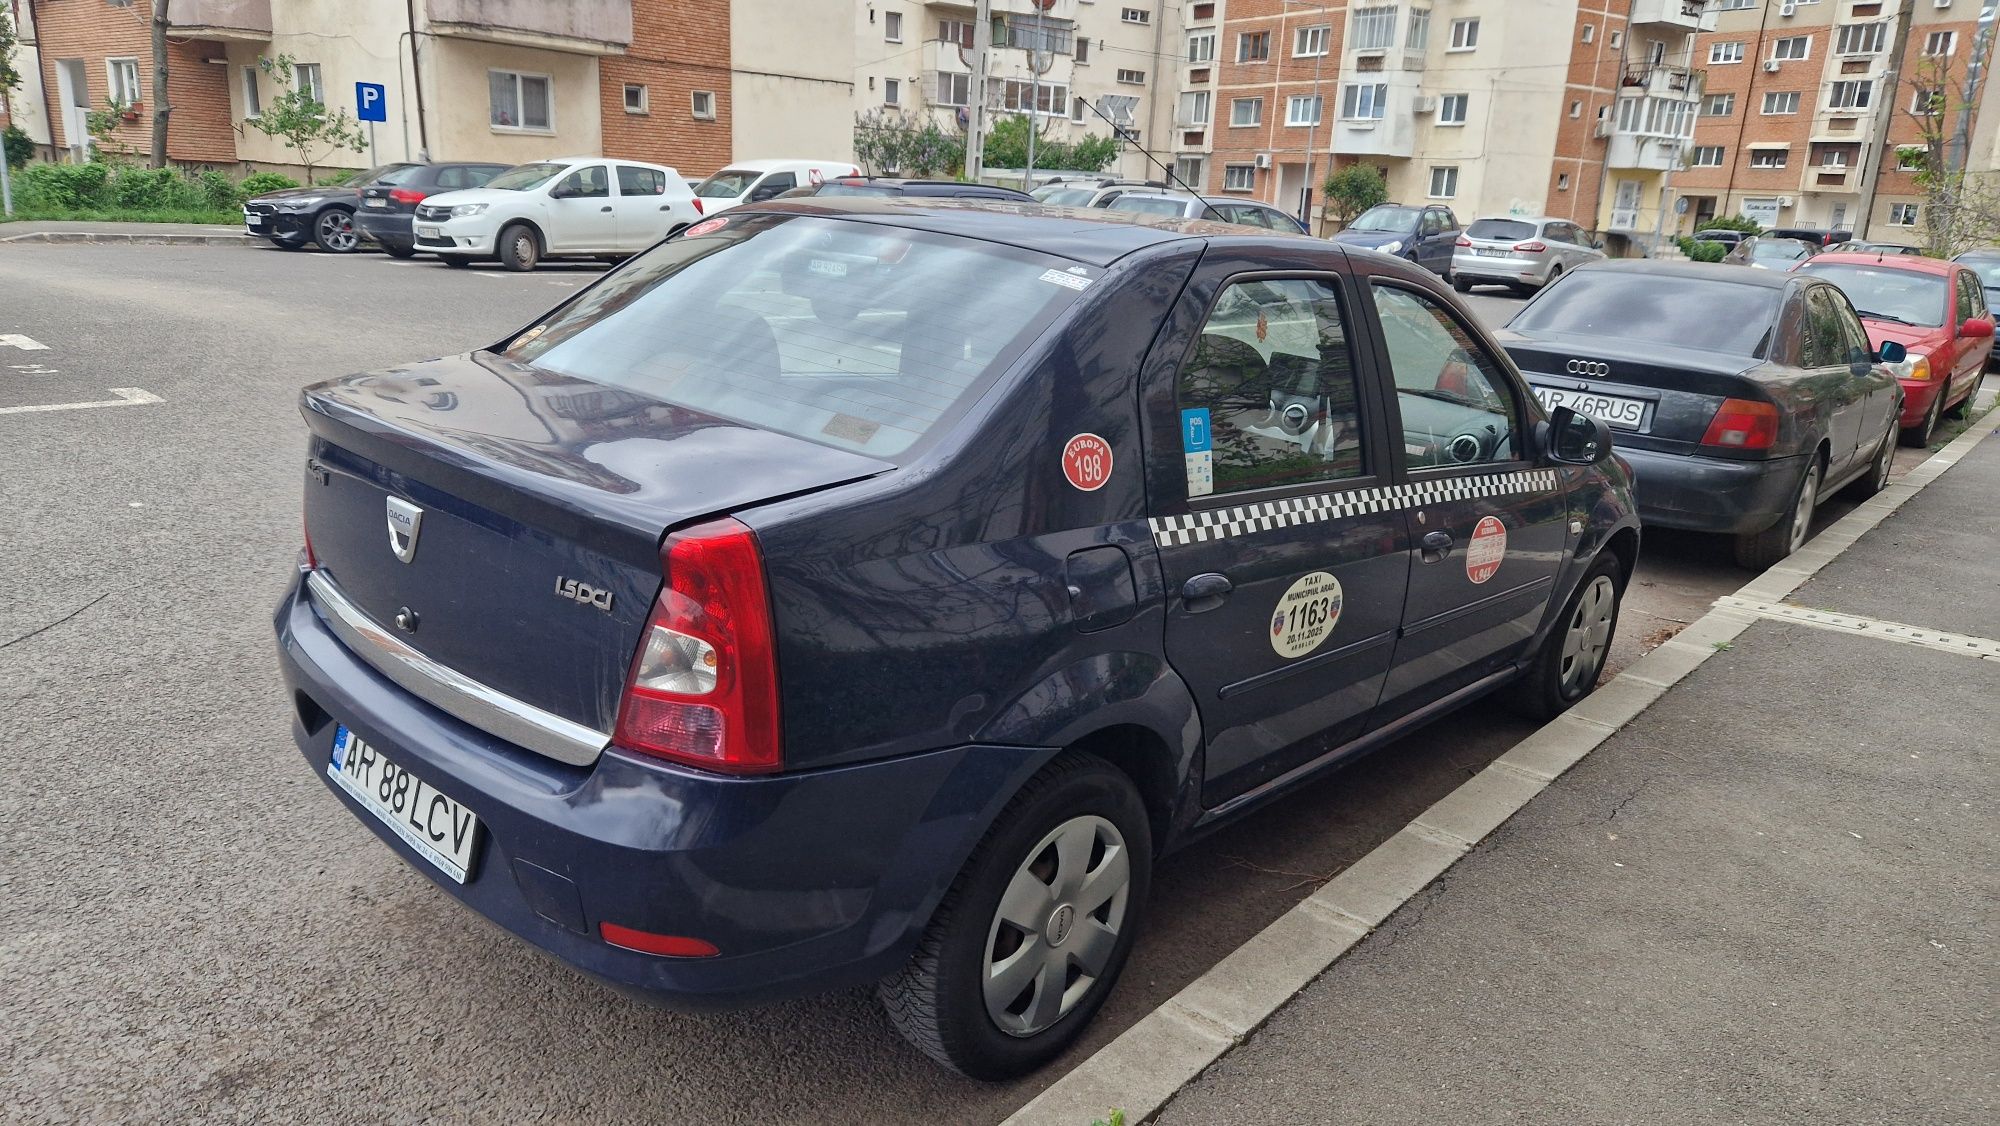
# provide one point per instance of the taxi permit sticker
(706, 226)
(1306, 614)
(1071, 281)
(1198, 448)
(1086, 461)
(1488, 547)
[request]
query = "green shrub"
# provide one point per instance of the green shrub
(337, 177)
(20, 150)
(146, 189)
(64, 187)
(1733, 223)
(1707, 251)
(217, 190)
(257, 183)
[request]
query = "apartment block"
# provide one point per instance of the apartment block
(1646, 120)
(26, 108)
(1072, 64)
(93, 54)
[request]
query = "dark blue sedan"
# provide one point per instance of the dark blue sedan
(871, 591)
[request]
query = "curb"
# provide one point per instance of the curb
(1142, 1070)
(97, 237)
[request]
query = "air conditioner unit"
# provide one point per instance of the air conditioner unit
(1426, 103)
(1788, 9)
(1263, 160)
(1606, 127)
(1784, 201)
(1770, 66)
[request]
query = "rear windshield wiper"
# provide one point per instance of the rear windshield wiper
(1885, 317)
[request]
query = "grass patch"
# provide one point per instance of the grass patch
(124, 215)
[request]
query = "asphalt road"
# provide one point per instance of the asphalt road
(190, 926)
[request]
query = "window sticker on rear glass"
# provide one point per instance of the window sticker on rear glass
(1306, 614)
(1070, 279)
(706, 226)
(1198, 448)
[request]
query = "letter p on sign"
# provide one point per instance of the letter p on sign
(371, 101)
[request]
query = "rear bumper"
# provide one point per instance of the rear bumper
(807, 881)
(385, 229)
(1710, 494)
(1477, 268)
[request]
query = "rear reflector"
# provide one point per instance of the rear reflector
(665, 945)
(1743, 424)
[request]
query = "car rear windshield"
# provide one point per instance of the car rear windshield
(1504, 230)
(1149, 205)
(853, 335)
(1386, 217)
(389, 175)
(526, 177)
(1885, 294)
(1988, 270)
(1777, 250)
(1712, 316)
(727, 183)
(1070, 197)
(835, 187)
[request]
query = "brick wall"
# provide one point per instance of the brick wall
(1576, 172)
(678, 47)
(1275, 80)
(92, 30)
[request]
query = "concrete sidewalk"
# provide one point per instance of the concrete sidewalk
(1768, 898)
(179, 234)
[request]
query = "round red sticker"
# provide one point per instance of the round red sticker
(1086, 461)
(1488, 547)
(705, 226)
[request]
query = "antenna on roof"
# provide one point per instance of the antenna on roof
(1118, 131)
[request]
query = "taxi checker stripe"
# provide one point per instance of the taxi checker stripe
(1225, 523)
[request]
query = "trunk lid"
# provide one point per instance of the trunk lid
(527, 481)
(1660, 397)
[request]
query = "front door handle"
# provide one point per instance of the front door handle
(606, 207)
(1205, 592)
(1437, 545)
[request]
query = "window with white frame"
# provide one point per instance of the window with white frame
(1833, 160)
(1239, 177)
(1575, 109)
(1302, 109)
(1705, 156)
(1617, 40)
(1464, 37)
(892, 92)
(1939, 44)
(1452, 107)
(1912, 159)
(1780, 101)
(253, 98)
(517, 101)
(1903, 214)
(701, 104)
(1851, 95)
(1082, 50)
(1246, 111)
(1419, 35)
(956, 31)
(1253, 46)
(305, 79)
(1730, 52)
(1590, 33)
(1373, 28)
(1444, 182)
(1201, 47)
(1926, 102)
(1135, 15)
(1735, 5)
(1792, 47)
(1718, 105)
(1310, 42)
(892, 27)
(1019, 95)
(1562, 181)
(635, 98)
(953, 89)
(1860, 39)
(1191, 170)
(1768, 158)
(1363, 101)
(1132, 77)
(1193, 108)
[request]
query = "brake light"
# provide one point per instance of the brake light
(704, 683)
(407, 195)
(1743, 424)
(1463, 241)
(1529, 247)
(697, 205)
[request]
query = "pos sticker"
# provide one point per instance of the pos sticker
(1487, 549)
(1306, 614)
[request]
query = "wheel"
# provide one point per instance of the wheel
(1964, 406)
(398, 250)
(288, 244)
(334, 231)
(1555, 275)
(1759, 550)
(1518, 290)
(519, 248)
(1461, 285)
(1032, 935)
(455, 261)
(1920, 434)
(1877, 477)
(1571, 659)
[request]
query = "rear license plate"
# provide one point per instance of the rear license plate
(374, 203)
(427, 232)
(1483, 252)
(1615, 410)
(438, 828)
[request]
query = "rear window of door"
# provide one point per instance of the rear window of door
(1825, 343)
(1448, 386)
(633, 180)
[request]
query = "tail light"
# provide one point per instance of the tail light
(697, 205)
(407, 195)
(704, 684)
(1743, 424)
(311, 560)
(1529, 247)
(1463, 241)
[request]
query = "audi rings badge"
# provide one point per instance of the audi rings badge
(1593, 369)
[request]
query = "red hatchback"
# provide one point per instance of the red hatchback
(1935, 309)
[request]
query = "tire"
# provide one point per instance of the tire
(455, 261)
(1555, 275)
(518, 248)
(939, 1000)
(398, 250)
(1461, 285)
(333, 231)
(1920, 434)
(1964, 406)
(1518, 290)
(288, 244)
(1877, 477)
(1759, 550)
(1567, 668)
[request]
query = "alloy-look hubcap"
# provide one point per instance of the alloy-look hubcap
(1058, 922)
(1803, 514)
(338, 231)
(1589, 634)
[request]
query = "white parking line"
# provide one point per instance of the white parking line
(1962, 644)
(25, 343)
(127, 397)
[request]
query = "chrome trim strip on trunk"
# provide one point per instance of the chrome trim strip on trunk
(492, 711)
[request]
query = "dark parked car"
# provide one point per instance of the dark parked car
(1986, 263)
(872, 591)
(1740, 397)
(1218, 209)
(1886, 249)
(387, 215)
(888, 186)
(323, 215)
(1725, 235)
(1819, 236)
(1427, 236)
(1768, 252)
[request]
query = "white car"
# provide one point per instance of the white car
(574, 206)
(754, 181)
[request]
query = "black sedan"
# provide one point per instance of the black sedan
(886, 186)
(1739, 397)
(387, 216)
(322, 214)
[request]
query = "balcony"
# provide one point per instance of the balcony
(1662, 81)
(1823, 178)
(1675, 15)
(1393, 134)
(1651, 152)
(1649, 132)
(583, 27)
(247, 20)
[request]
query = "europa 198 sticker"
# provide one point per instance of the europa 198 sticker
(1487, 549)
(1086, 461)
(1306, 614)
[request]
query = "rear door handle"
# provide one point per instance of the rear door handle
(1437, 545)
(1205, 592)
(606, 207)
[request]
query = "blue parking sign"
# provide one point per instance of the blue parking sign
(371, 101)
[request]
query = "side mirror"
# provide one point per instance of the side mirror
(1977, 328)
(1575, 438)
(561, 191)
(1892, 353)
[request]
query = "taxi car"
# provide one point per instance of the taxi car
(871, 590)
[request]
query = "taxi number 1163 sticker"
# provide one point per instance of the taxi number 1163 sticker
(1306, 614)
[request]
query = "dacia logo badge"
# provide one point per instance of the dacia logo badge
(405, 521)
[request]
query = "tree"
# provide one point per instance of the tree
(10, 74)
(888, 142)
(1958, 211)
(1007, 147)
(296, 118)
(1354, 189)
(1742, 223)
(160, 106)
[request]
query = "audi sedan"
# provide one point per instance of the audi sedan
(866, 590)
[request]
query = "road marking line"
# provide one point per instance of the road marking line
(25, 343)
(127, 397)
(1962, 644)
